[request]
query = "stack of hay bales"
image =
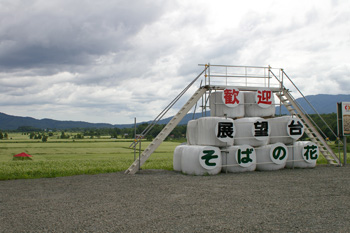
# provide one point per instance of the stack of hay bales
(288, 130)
(243, 135)
(238, 159)
(259, 104)
(197, 160)
(229, 105)
(285, 129)
(205, 137)
(271, 157)
(211, 131)
(252, 131)
(303, 154)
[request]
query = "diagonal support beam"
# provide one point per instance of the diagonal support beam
(311, 131)
(165, 131)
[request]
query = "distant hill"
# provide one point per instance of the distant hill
(322, 103)
(8, 122)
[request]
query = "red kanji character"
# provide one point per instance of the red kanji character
(264, 97)
(230, 96)
(347, 107)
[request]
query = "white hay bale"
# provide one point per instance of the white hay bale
(271, 157)
(253, 131)
(211, 131)
(279, 132)
(238, 159)
(259, 104)
(295, 128)
(303, 154)
(177, 157)
(201, 160)
(285, 129)
(229, 102)
(191, 132)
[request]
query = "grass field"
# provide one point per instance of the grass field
(67, 157)
(58, 157)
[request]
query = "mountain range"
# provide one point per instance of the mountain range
(324, 104)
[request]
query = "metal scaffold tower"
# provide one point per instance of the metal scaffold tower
(246, 78)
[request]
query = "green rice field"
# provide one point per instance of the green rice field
(67, 157)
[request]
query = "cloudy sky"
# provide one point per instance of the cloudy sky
(110, 61)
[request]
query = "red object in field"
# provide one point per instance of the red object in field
(22, 155)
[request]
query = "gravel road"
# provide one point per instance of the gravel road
(299, 200)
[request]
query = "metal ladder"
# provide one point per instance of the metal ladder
(165, 131)
(289, 102)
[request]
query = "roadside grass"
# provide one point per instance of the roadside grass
(69, 157)
(338, 151)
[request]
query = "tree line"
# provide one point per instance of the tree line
(81, 133)
(129, 133)
(177, 133)
(4, 135)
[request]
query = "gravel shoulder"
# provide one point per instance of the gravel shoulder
(289, 200)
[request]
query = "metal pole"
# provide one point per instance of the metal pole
(202, 106)
(205, 76)
(280, 104)
(215, 104)
(344, 149)
(338, 140)
(140, 154)
(339, 120)
(282, 77)
(268, 77)
(205, 104)
(209, 73)
(135, 139)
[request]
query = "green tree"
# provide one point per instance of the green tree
(64, 136)
(79, 136)
(38, 136)
(44, 138)
(331, 120)
(27, 129)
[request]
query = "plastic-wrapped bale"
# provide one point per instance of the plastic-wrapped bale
(285, 129)
(177, 158)
(252, 131)
(302, 154)
(201, 160)
(211, 131)
(259, 104)
(238, 159)
(271, 157)
(229, 102)
(191, 132)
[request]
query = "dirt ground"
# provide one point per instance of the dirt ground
(289, 200)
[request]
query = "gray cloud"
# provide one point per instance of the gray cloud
(61, 33)
(108, 61)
